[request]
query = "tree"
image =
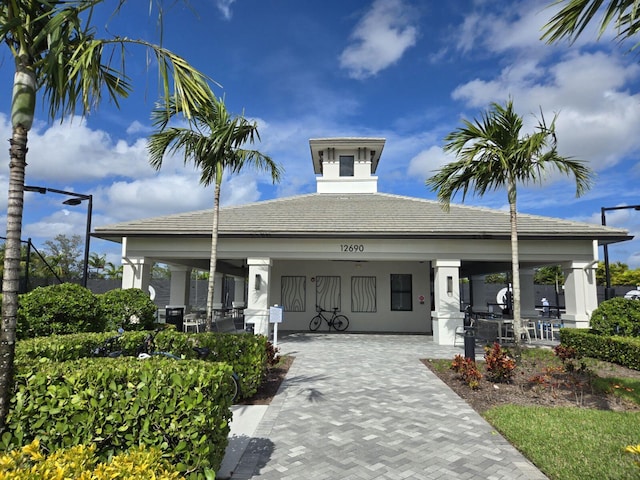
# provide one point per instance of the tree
(64, 254)
(549, 276)
(97, 263)
(111, 271)
(213, 142)
(575, 15)
(59, 58)
(492, 154)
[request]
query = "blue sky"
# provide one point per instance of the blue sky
(405, 70)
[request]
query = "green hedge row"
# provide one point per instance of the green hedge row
(180, 407)
(69, 308)
(624, 351)
(247, 354)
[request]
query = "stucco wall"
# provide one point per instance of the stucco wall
(417, 320)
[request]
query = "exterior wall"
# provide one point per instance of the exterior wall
(383, 319)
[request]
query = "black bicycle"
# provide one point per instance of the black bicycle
(339, 322)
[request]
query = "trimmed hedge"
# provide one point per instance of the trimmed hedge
(623, 351)
(130, 309)
(179, 407)
(247, 354)
(617, 316)
(58, 309)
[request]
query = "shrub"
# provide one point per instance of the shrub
(80, 462)
(247, 354)
(58, 309)
(618, 316)
(468, 371)
(624, 351)
(179, 407)
(131, 309)
(499, 364)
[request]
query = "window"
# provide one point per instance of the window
(401, 295)
(328, 292)
(293, 293)
(363, 294)
(346, 165)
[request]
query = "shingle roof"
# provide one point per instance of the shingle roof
(359, 215)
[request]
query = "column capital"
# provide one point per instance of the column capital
(265, 261)
(439, 263)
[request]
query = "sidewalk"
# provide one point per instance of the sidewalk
(358, 407)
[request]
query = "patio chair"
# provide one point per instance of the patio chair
(192, 320)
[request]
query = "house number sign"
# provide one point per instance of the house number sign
(351, 247)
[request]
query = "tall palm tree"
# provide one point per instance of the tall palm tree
(59, 59)
(492, 154)
(213, 142)
(575, 15)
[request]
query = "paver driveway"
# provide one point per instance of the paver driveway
(357, 407)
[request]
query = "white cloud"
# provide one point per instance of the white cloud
(425, 163)
(225, 7)
(380, 39)
(597, 118)
(72, 151)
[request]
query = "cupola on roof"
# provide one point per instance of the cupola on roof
(346, 164)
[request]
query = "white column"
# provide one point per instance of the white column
(258, 295)
(218, 282)
(580, 293)
(527, 294)
(238, 292)
(180, 285)
(447, 315)
(136, 273)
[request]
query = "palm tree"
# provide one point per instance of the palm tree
(213, 142)
(58, 56)
(491, 154)
(574, 17)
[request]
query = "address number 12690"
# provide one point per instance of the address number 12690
(351, 247)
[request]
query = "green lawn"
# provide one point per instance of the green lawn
(572, 443)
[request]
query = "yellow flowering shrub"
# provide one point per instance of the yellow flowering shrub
(80, 463)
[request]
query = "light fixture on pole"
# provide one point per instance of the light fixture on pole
(609, 292)
(77, 199)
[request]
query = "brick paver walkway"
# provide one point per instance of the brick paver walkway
(358, 407)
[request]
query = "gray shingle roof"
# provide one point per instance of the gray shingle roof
(358, 215)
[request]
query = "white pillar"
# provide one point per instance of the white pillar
(447, 315)
(136, 273)
(238, 292)
(258, 295)
(580, 293)
(527, 294)
(180, 285)
(218, 283)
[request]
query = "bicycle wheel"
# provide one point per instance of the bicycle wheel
(315, 323)
(236, 387)
(340, 323)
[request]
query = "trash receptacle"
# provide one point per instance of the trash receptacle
(175, 316)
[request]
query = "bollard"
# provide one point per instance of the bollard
(469, 336)
(469, 344)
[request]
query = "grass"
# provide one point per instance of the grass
(626, 388)
(572, 443)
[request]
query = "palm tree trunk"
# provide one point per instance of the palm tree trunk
(11, 277)
(515, 263)
(214, 251)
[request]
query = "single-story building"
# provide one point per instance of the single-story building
(390, 263)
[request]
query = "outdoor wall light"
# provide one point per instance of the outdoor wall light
(450, 286)
(258, 280)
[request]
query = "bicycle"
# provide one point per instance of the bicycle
(339, 322)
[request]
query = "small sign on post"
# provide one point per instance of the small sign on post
(275, 317)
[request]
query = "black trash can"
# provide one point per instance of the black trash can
(175, 316)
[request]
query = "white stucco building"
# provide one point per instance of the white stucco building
(390, 263)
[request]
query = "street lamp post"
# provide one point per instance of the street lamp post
(77, 199)
(608, 291)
